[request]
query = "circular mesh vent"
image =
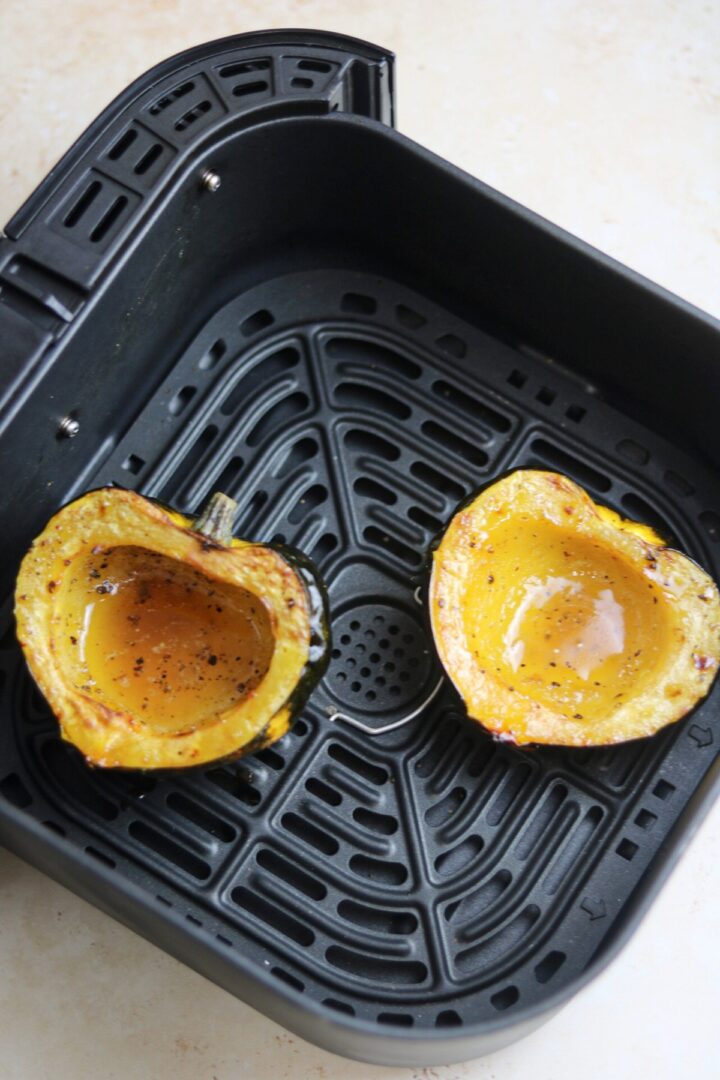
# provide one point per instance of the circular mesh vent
(381, 659)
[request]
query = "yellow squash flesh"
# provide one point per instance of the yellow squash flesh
(157, 646)
(560, 623)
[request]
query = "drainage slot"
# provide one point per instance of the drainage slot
(181, 400)
(397, 1019)
(323, 791)
(162, 103)
(398, 972)
(287, 872)
(426, 521)
(384, 873)
(192, 115)
(84, 203)
(235, 785)
(453, 491)
(249, 88)
(201, 817)
(193, 457)
(125, 141)
(479, 901)
(108, 219)
(313, 836)
(451, 862)
(228, 478)
(263, 374)
(286, 977)
(273, 916)
(573, 849)
(244, 68)
(545, 813)
(376, 919)
(100, 856)
(375, 774)
(382, 824)
(339, 1006)
(213, 355)
(548, 967)
(627, 849)
(312, 498)
(441, 812)
(452, 345)
(133, 464)
(476, 410)
(401, 551)
(355, 395)
(271, 758)
(565, 463)
(490, 951)
(168, 849)
(355, 303)
(369, 353)
(455, 443)
(407, 317)
(371, 489)
(148, 159)
(303, 450)
(279, 416)
(260, 320)
(314, 65)
(366, 442)
(448, 1018)
(505, 998)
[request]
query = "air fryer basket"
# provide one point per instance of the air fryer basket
(348, 336)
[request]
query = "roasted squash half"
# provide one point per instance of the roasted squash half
(561, 623)
(161, 642)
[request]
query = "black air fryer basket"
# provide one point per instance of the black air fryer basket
(348, 336)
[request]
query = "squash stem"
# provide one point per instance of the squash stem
(216, 519)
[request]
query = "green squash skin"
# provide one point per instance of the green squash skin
(315, 668)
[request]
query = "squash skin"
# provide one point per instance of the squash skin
(284, 580)
(687, 599)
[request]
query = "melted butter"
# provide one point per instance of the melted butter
(563, 620)
(156, 638)
(586, 630)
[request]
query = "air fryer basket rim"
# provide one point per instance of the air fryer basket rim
(34, 334)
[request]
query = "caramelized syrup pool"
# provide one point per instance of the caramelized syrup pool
(156, 638)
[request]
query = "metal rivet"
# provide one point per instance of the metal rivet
(68, 427)
(210, 180)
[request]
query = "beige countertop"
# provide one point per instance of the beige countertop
(603, 117)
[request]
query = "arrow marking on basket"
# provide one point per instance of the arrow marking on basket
(701, 736)
(595, 908)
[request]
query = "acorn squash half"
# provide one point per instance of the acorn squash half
(163, 643)
(561, 623)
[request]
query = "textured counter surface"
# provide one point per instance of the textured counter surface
(603, 118)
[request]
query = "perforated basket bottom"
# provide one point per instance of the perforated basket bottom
(430, 877)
